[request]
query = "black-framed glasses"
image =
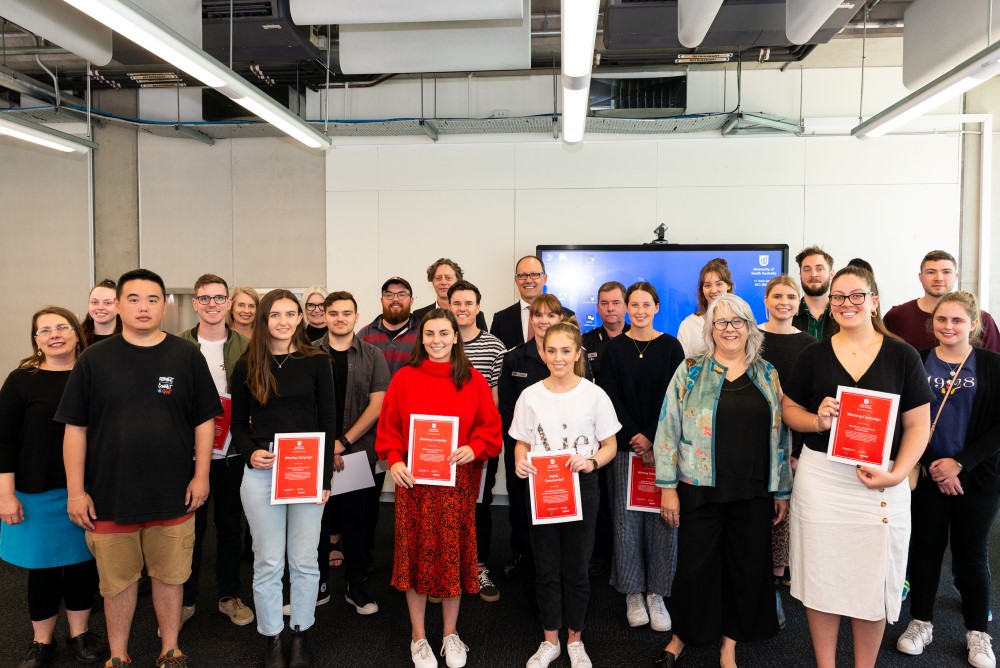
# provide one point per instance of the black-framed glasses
(314, 307)
(49, 331)
(523, 276)
(857, 298)
(205, 300)
(401, 295)
(737, 323)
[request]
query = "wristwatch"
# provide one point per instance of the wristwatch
(344, 442)
(594, 462)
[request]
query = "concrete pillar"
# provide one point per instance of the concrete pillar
(984, 99)
(116, 188)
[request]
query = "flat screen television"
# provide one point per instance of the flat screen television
(576, 272)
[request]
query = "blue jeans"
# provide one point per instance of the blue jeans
(292, 528)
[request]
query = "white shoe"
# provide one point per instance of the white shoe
(546, 654)
(578, 655)
(980, 649)
(636, 610)
(659, 618)
(422, 654)
(917, 635)
(454, 651)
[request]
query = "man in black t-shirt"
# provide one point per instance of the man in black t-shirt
(136, 410)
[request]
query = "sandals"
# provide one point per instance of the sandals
(336, 548)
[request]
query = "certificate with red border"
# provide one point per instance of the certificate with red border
(432, 440)
(223, 437)
(482, 479)
(643, 494)
(862, 431)
(297, 475)
(554, 489)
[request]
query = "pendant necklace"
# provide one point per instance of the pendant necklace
(643, 350)
(282, 362)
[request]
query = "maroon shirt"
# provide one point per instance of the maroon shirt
(911, 324)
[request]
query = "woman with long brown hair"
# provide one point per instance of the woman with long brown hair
(714, 279)
(101, 321)
(37, 533)
(282, 384)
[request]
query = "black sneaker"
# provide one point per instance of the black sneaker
(512, 567)
(86, 647)
(487, 590)
(322, 594)
(40, 655)
(359, 598)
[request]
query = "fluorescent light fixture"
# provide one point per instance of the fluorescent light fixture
(579, 31)
(963, 78)
(694, 18)
(131, 21)
(576, 104)
(804, 17)
(42, 135)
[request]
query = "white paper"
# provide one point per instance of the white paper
(356, 475)
(482, 482)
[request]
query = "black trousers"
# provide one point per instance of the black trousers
(965, 520)
(225, 476)
(603, 534)
(724, 583)
(374, 501)
(346, 514)
(562, 562)
(484, 514)
(75, 585)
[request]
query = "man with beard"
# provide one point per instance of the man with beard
(938, 276)
(815, 273)
(395, 331)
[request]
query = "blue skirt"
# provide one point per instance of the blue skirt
(46, 538)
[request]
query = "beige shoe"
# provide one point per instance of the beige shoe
(187, 612)
(238, 613)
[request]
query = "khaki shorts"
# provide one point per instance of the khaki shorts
(165, 551)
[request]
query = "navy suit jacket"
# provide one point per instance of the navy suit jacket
(507, 325)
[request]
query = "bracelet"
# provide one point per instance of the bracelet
(77, 498)
(816, 424)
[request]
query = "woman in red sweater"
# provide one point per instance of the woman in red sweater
(435, 547)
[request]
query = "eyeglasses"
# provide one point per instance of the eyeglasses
(48, 331)
(205, 300)
(857, 298)
(314, 307)
(525, 276)
(401, 295)
(721, 325)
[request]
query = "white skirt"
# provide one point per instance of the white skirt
(849, 543)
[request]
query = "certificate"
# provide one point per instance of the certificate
(356, 475)
(298, 468)
(223, 437)
(862, 431)
(554, 489)
(482, 479)
(643, 494)
(432, 440)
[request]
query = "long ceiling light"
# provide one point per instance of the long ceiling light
(579, 30)
(42, 135)
(963, 78)
(131, 21)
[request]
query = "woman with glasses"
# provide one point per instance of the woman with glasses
(958, 491)
(102, 319)
(435, 536)
(282, 384)
(312, 302)
(722, 465)
(243, 309)
(714, 279)
(850, 525)
(635, 371)
(37, 533)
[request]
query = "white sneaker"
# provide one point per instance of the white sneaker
(546, 654)
(578, 655)
(422, 654)
(454, 651)
(980, 649)
(659, 618)
(636, 610)
(917, 635)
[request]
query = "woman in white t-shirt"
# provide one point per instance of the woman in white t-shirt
(565, 412)
(714, 279)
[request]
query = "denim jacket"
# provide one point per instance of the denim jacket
(685, 434)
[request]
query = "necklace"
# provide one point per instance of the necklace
(854, 352)
(282, 362)
(641, 352)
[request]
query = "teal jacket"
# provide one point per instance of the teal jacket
(234, 347)
(684, 445)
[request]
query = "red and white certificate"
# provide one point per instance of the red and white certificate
(481, 465)
(862, 431)
(298, 467)
(223, 437)
(432, 440)
(643, 494)
(554, 489)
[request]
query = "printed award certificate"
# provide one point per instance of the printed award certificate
(643, 494)
(482, 479)
(554, 489)
(223, 437)
(432, 440)
(862, 431)
(298, 467)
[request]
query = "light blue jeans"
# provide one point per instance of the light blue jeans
(293, 528)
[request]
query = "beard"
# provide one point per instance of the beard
(392, 317)
(821, 291)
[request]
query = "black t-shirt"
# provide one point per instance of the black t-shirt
(313, 333)
(31, 441)
(339, 358)
(897, 368)
(140, 406)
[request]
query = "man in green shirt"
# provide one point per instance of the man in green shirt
(815, 273)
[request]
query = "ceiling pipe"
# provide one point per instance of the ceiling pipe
(804, 17)
(694, 19)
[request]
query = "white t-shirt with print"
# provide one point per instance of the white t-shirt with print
(576, 420)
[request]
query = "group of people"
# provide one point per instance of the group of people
(108, 455)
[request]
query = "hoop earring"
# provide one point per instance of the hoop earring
(38, 353)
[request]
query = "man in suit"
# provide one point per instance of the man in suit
(510, 325)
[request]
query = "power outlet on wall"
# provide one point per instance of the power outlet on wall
(500, 113)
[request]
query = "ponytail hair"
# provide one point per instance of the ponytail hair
(869, 278)
(570, 328)
(967, 301)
